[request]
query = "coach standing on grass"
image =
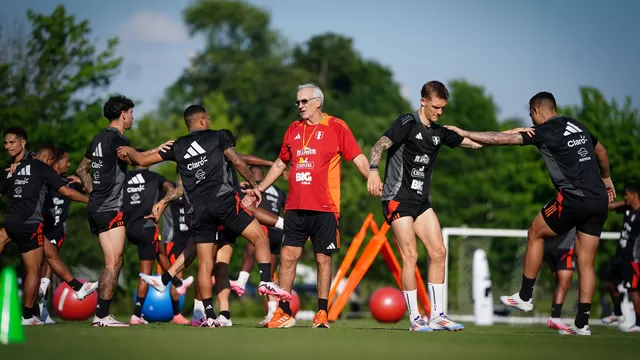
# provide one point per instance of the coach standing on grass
(314, 146)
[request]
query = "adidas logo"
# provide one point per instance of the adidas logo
(98, 151)
(208, 307)
(26, 171)
(138, 179)
(331, 246)
(419, 136)
(571, 129)
(297, 137)
(194, 150)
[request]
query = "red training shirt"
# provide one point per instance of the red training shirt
(315, 153)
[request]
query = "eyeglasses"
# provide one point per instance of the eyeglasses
(304, 101)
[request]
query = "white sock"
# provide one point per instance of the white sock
(44, 285)
(243, 278)
(272, 307)
(411, 298)
(198, 309)
(436, 298)
(280, 223)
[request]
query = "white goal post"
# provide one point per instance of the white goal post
(493, 233)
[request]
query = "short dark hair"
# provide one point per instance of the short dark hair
(191, 111)
(434, 89)
(115, 106)
(58, 153)
(17, 131)
(47, 148)
(633, 186)
(543, 99)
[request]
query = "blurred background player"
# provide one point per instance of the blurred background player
(56, 211)
(625, 266)
(24, 224)
(558, 253)
(142, 190)
(273, 201)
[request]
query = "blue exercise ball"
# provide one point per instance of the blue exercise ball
(157, 306)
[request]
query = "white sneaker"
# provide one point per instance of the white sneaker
(86, 290)
(266, 319)
(633, 329)
(33, 321)
(155, 281)
(613, 320)
(44, 313)
(108, 321)
(137, 320)
(573, 330)
(223, 321)
(420, 325)
(48, 320)
(515, 302)
(443, 322)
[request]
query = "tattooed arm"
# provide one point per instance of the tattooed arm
(244, 170)
(84, 173)
(171, 193)
(494, 138)
(376, 151)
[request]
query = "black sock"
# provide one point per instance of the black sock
(617, 309)
(208, 308)
(638, 319)
(582, 317)
(166, 278)
(176, 281)
(286, 307)
(226, 314)
(102, 310)
(526, 290)
(27, 312)
(75, 284)
(265, 272)
(323, 304)
(556, 310)
(137, 308)
(175, 305)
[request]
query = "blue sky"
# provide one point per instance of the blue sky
(512, 48)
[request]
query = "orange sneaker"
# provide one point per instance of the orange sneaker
(320, 320)
(180, 320)
(281, 320)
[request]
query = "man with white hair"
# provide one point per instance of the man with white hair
(314, 145)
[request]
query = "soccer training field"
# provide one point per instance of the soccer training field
(348, 339)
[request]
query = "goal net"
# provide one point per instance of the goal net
(505, 249)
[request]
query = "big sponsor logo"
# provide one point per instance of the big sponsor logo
(304, 178)
(417, 185)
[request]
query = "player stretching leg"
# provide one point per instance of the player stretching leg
(626, 265)
(201, 157)
(579, 169)
(102, 175)
(558, 252)
(24, 224)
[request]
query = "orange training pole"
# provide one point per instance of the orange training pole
(350, 256)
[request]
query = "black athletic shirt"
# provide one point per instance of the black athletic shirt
(56, 208)
(412, 156)
(567, 148)
(5, 179)
(201, 164)
(629, 243)
(30, 184)
(174, 222)
(107, 171)
(142, 190)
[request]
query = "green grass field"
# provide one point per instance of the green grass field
(363, 339)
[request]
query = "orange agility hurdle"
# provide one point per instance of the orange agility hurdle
(377, 244)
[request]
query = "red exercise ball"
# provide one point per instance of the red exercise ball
(387, 305)
(295, 303)
(68, 307)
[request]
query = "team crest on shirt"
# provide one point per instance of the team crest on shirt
(319, 135)
(436, 140)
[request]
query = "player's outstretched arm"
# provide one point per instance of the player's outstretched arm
(489, 137)
(170, 193)
(603, 162)
(255, 161)
(276, 170)
(374, 184)
(84, 174)
(135, 158)
(72, 194)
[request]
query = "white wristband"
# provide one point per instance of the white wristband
(279, 223)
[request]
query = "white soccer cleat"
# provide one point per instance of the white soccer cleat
(420, 325)
(613, 320)
(556, 323)
(33, 321)
(573, 330)
(224, 322)
(137, 320)
(210, 323)
(266, 319)
(185, 285)
(443, 322)
(86, 290)
(515, 302)
(155, 281)
(633, 329)
(107, 321)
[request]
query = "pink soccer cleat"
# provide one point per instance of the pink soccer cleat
(557, 323)
(185, 285)
(235, 286)
(180, 320)
(271, 288)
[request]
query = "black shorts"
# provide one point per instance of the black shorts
(104, 221)
(559, 259)
(145, 237)
(27, 236)
(226, 210)
(226, 236)
(567, 211)
(275, 239)
(322, 227)
(177, 246)
(625, 272)
(395, 209)
(56, 236)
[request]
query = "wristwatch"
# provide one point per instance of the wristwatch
(373, 167)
